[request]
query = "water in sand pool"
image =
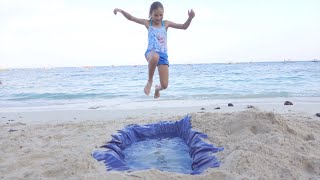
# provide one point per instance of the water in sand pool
(167, 154)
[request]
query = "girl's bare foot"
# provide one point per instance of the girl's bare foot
(157, 91)
(147, 88)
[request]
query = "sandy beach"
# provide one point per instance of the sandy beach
(267, 141)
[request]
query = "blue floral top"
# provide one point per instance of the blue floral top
(157, 38)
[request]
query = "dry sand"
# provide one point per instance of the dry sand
(266, 142)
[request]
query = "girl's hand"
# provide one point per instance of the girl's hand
(116, 10)
(191, 13)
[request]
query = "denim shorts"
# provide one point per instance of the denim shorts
(163, 58)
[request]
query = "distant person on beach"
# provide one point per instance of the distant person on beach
(156, 53)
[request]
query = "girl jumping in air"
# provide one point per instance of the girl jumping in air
(156, 53)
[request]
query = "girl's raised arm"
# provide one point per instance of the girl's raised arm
(132, 18)
(185, 25)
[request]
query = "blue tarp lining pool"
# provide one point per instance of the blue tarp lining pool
(200, 151)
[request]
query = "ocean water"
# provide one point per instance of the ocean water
(113, 85)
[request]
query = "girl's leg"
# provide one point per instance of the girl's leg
(152, 58)
(164, 80)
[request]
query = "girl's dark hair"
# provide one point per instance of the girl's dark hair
(155, 5)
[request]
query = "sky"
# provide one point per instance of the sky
(64, 33)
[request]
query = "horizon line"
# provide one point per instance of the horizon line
(2, 68)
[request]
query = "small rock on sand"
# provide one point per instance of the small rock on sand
(288, 103)
(12, 130)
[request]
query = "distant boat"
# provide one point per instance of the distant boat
(231, 62)
(47, 67)
(87, 67)
(2, 69)
(287, 61)
(315, 60)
